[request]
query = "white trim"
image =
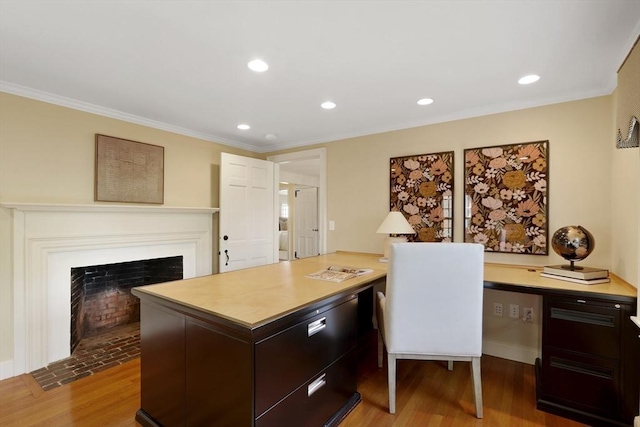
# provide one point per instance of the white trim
(51, 239)
(517, 353)
(6, 369)
(53, 207)
(51, 98)
(75, 104)
(321, 155)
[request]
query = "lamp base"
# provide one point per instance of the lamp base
(387, 246)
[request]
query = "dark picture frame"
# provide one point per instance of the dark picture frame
(506, 197)
(422, 189)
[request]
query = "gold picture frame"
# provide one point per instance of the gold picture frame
(422, 189)
(506, 197)
(128, 171)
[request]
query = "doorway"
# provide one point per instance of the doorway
(303, 170)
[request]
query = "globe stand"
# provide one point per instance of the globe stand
(571, 267)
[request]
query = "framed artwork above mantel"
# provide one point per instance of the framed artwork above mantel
(506, 197)
(128, 171)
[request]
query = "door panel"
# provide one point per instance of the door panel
(306, 222)
(247, 215)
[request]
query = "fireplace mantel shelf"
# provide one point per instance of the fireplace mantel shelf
(104, 208)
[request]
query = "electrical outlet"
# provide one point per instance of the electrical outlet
(497, 309)
(527, 314)
(514, 311)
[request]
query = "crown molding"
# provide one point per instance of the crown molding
(75, 104)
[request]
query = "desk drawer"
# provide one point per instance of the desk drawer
(582, 382)
(288, 359)
(583, 326)
(318, 399)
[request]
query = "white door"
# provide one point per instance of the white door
(247, 213)
(306, 222)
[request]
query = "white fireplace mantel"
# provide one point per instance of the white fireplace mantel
(50, 239)
(57, 207)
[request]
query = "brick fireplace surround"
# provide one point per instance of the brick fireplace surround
(49, 240)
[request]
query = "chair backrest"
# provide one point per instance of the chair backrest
(434, 299)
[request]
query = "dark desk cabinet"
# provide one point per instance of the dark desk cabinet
(590, 357)
(199, 370)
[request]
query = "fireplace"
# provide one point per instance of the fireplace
(51, 240)
(101, 296)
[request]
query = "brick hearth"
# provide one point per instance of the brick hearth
(95, 354)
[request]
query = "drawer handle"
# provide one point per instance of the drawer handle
(583, 317)
(316, 385)
(581, 368)
(315, 327)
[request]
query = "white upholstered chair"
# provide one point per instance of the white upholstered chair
(433, 308)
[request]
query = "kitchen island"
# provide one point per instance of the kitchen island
(264, 346)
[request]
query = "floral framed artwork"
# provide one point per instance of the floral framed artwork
(505, 197)
(422, 189)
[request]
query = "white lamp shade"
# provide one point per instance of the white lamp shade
(395, 223)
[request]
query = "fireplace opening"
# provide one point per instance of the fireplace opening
(101, 298)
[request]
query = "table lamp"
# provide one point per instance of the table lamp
(395, 223)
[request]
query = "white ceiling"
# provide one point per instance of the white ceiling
(182, 65)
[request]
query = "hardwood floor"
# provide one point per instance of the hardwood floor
(428, 395)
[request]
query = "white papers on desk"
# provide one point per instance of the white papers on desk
(338, 274)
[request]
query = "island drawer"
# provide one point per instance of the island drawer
(583, 326)
(288, 359)
(318, 399)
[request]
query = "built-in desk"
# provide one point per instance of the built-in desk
(590, 355)
(268, 346)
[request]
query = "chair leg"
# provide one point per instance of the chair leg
(476, 383)
(380, 349)
(391, 362)
(450, 365)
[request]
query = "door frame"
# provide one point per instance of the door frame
(321, 155)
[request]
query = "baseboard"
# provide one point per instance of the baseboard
(6, 369)
(517, 353)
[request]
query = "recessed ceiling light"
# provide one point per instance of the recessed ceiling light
(425, 101)
(328, 105)
(531, 78)
(243, 126)
(258, 65)
(270, 137)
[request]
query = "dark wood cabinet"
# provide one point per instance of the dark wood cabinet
(589, 366)
(201, 370)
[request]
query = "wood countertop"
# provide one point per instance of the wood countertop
(528, 279)
(255, 296)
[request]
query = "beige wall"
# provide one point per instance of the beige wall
(625, 179)
(580, 153)
(47, 155)
(583, 165)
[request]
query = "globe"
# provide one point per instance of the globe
(573, 243)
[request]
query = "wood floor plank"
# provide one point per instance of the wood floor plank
(428, 395)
